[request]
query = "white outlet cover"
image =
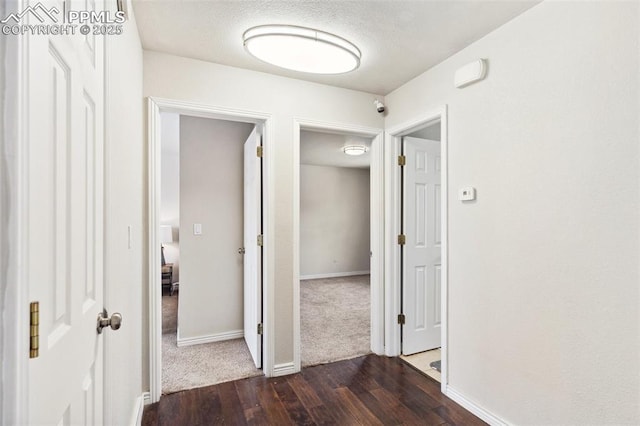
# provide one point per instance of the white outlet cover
(468, 193)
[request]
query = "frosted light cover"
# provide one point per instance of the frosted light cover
(354, 149)
(302, 49)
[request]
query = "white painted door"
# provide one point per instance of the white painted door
(64, 248)
(422, 250)
(253, 251)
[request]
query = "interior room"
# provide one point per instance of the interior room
(202, 200)
(539, 109)
(335, 302)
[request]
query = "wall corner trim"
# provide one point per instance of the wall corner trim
(284, 369)
(218, 337)
(474, 408)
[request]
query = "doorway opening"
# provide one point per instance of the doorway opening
(338, 310)
(418, 262)
(421, 283)
(203, 196)
(209, 293)
(335, 306)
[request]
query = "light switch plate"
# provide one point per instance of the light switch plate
(197, 229)
(467, 193)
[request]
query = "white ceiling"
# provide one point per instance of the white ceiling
(325, 149)
(399, 39)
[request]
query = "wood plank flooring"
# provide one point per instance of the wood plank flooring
(369, 390)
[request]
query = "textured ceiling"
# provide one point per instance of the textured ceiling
(398, 39)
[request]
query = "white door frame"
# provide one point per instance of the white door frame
(155, 107)
(14, 208)
(377, 227)
(393, 295)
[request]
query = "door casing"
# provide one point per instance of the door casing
(393, 265)
(155, 107)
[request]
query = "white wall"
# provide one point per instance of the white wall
(125, 267)
(543, 290)
(170, 187)
(173, 77)
(334, 221)
(211, 194)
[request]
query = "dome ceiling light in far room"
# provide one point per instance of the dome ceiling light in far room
(354, 149)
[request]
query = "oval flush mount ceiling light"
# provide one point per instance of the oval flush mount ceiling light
(302, 49)
(354, 149)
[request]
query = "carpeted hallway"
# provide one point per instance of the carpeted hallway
(335, 315)
(335, 325)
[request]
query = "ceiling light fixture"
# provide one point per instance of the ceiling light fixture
(302, 49)
(354, 149)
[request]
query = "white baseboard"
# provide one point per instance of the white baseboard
(219, 337)
(138, 408)
(284, 369)
(474, 408)
(334, 275)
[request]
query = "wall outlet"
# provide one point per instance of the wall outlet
(467, 194)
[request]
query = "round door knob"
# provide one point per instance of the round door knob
(115, 321)
(241, 250)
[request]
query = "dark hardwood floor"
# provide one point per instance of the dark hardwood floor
(369, 390)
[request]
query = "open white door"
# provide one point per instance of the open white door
(422, 249)
(253, 245)
(64, 248)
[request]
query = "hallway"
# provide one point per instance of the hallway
(369, 390)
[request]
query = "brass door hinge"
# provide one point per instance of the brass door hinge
(260, 240)
(402, 239)
(34, 329)
(259, 151)
(401, 319)
(260, 329)
(402, 160)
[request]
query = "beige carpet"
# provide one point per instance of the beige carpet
(199, 365)
(335, 325)
(335, 319)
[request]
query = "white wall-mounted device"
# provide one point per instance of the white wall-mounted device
(197, 229)
(467, 193)
(470, 73)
